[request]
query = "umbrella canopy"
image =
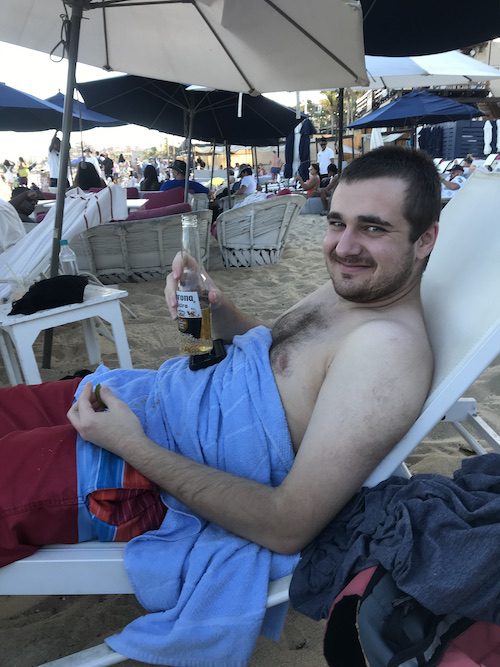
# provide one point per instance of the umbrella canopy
(439, 69)
(398, 28)
(417, 108)
(24, 113)
(85, 118)
(225, 44)
(170, 107)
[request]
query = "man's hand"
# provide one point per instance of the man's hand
(116, 429)
(172, 282)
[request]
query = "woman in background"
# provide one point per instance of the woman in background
(311, 186)
(87, 177)
(149, 182)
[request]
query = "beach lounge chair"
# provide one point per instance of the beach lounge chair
(463, 315)
(255, 234)
(29, 259)
(138, 250)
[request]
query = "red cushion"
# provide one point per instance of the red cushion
(48, 195)
(284, 191)
(132, 193)
(157, 199)
(144, 214)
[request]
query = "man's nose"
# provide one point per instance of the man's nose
(348, 243)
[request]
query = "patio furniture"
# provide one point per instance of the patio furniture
(256, 233)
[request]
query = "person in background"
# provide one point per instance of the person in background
(22, 172)
(276, 164)
(311, 186)
(451, 184)
(150, 182)
(89, 157)
(87, 177)
(107, 167)
(179, 177)
(53, 161)
(326, 192)
(24, 201)
(469, 167)
(248, 184)
(326, 156)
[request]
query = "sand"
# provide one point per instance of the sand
(36, 630)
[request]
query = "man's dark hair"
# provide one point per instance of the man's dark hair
(422, 204)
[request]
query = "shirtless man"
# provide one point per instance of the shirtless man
(352, 363)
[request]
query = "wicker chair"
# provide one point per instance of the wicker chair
(135, 251)
(256, 233)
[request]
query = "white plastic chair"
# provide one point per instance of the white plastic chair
(462, 312)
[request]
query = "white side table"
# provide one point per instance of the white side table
(19, 332)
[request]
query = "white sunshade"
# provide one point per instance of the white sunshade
(225, 44)
(440, 69)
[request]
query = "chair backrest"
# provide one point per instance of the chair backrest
(135, 251)
(256, 233)
(145, 214)
(198, 201)
(461, 305)
(132, 193)
(165, 198)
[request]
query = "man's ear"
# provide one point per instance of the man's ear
(425, 243)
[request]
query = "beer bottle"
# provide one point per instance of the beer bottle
(193, 308)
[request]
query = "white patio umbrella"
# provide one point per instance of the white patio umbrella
(439, 69)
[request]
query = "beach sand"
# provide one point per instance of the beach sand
(36, 630)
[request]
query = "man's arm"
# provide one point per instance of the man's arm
(450, 185)
(372, 393)
(227, 320)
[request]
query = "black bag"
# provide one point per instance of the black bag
(50, 293)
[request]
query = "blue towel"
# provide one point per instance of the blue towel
(206, 588)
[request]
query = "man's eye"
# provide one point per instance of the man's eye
(337, 224)
(373, 229)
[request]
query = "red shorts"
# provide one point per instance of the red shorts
(38, 476)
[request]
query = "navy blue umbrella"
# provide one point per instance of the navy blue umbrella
(25, 113)
(208, 115)
(417, 108)
(84, 118)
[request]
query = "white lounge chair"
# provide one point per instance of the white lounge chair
(138, 250)
(462, 312)
(255, 233)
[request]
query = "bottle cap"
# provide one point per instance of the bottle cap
(63, 242)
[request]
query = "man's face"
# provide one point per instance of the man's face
(367, 245)
(323, 146)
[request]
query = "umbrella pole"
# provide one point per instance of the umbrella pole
(213, 166)
(188, 166)
(341, 129)
(228, 167)
(74, 37)
(254, 150)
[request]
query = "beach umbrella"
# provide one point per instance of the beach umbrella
(21, 112)
(401, 28)
(417, 108)
(208, 115)
(86, 119)
(438, 69)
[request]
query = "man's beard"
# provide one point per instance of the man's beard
(364, 290)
